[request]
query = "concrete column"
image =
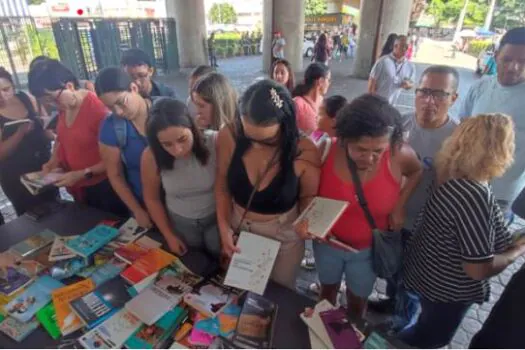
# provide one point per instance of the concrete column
(288, 18)
(395, 19)
(190, 17)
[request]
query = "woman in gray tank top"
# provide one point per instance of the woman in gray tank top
(181, 159)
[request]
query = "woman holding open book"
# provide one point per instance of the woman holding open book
(369, 144)
(24, 146)
(267, 174)
(181, 159)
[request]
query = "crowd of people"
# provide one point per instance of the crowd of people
(204, 169)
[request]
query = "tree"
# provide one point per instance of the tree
(223, 14)
(447, 11)
(315, 7)
(509, 14)
(35, 2)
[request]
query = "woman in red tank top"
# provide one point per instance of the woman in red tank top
(369, 131)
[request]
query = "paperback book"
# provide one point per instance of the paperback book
(155, 260)
(67, 320)
(108, 271)
(11, 280)
(322, 214)
(33, 243)
(37, 182)
(133, 251)
(11, 127)
(340, 329)
(36, 296)
(316, 325)
(17, 330)
(210, 297)
(48, 319)
(88, 243)
(59, 250)
(67, 268)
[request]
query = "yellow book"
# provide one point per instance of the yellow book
(67, 320)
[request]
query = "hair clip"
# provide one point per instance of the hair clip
(276, 99)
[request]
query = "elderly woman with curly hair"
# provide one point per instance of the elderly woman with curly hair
(460, 238)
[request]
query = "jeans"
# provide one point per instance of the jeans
(436, 325)
(200, 233)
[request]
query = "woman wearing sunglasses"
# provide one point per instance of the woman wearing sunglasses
(76, 150)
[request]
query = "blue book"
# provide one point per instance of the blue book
(88, 243)
(108, 271)
(68, 268)
(35, 297)
(12, 281)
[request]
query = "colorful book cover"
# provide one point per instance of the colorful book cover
(210, 298)
(36, 296)
(224, 324)
(155, 260)
(198, 337)
(67, 268)
(17, 330)
(88, 243)
(59, 250)
(315, 324)
(112, 333)
(148, 337)
(30, 268)
(105, 299)
(67, 320)
(340, 329)
(186, 276)
(135, 250)
(376, 341)
(136, 289)
(129, 232)
(256, 323)
(12, 280)
(48, 319)
(33, 243)
(108, 271)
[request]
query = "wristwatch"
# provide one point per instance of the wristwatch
(88, 173)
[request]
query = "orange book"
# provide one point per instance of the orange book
(67, 320)
(155, 260)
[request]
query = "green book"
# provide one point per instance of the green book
(48, 318)
(2, 317)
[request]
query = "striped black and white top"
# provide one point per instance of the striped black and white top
(461, 222)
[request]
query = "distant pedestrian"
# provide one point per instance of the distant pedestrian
(211, 50)
(278, 45)
(322, 51)
(389, 44)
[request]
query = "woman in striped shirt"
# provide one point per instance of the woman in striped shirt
(460, 238)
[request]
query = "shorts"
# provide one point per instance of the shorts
(332, 263)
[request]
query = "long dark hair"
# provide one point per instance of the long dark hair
(313, 73)
(290, 84)
(167, 112)
(389, 44)
(268, 103)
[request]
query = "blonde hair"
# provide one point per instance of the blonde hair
(216, 89)
(480, 149)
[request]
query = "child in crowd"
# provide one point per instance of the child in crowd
(325, 126)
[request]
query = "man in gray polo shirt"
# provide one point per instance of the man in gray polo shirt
(392, 73)
(426, 130)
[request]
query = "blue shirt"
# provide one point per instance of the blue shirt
(489, 96)
(132, 152)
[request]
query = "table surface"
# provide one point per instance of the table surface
(290, 331)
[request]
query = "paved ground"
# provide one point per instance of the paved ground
(243, 71)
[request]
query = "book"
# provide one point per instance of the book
(256, 323)
(67, 268)
(112, 333)
(31, 268)
(33, 243)
(67, 320)
(37, 182)
(147, 337)
(223, 324)
(88, 243)
(199, 337)
(10, 128)
(97, 305)
(155, 260)
(340, 330)
(210, 298)
(315, 341)
(17, 330)
(133, 251)
(108, 271)
(130, 231)
(377, 341)
(36, 296)
(59, 250)
(11, 280)
(48, 319)
(251, 268)
(316, 325)
(322, 214)
(135, 289)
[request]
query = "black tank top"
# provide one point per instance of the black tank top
(278, 197)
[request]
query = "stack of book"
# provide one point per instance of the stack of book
(37, 182)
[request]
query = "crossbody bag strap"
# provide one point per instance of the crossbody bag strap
(255, 189)
(359, 191)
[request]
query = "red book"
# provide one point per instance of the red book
(155, 260)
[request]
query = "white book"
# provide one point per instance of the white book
(112, 333)
(128, 233)
(315, 342)
(251, 268)
(59, 251)
(316, 325)
(322, 214)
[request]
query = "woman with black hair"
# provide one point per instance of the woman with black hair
(26, 150)
(182, 159)
(389, 44)
(370, 141)
(322, 50)
(282, 73)
(309, 95)
(122, 138)
(267, 175)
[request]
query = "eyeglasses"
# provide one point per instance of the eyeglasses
(438, 95)
(52, 99)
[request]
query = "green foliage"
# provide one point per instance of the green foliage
(315, 7)
(228, 36)
(35, 2)
(476, 46)
(509, 14)
(42, 42)
(223, 14)
(447, 11)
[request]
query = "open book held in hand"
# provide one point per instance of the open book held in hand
(322, 214)
(10, 128)
(37, 182)
(251, 268)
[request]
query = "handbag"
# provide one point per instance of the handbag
(387, 246)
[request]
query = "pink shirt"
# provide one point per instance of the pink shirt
(306, 114)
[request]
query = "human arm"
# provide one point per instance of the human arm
(151, 189)
(111, 157)
(411, 172)
(374, 75)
